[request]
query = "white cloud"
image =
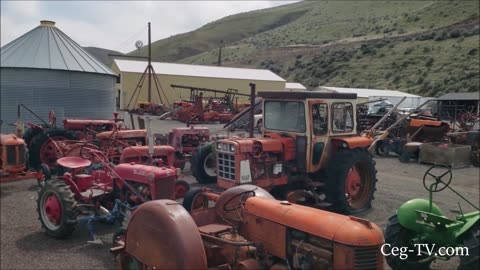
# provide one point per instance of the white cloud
(108, 24)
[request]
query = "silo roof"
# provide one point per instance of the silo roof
(47, 47)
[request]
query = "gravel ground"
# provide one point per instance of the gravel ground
(25, 246)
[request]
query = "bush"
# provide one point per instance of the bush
(441, 35)
(472, 51)
(408, 50)
(455, 33)
(426, 49)
(429, 62)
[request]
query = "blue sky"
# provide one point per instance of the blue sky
(108, 24)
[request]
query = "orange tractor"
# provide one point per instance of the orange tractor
(245, 229)
(309, 153)
(13, 160)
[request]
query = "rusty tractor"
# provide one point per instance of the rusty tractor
(245, 229)
(13, 161)
(93, 190)
(309, 154)
(148, 108)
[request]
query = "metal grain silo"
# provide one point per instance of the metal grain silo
(45, 69)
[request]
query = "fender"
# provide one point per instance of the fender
(67, 178)
(472, 219)
(352, 142)
(407, 213)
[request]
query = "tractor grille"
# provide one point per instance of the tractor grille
(11, 155)
(226, 166)
(366, 257)
(21, 154)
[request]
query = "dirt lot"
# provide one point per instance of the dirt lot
(25, 246)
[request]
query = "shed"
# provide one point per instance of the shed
(211, 77)
(45, 69)
(294, 86)
(451, 105)
(364, 95)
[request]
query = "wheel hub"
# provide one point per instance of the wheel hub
(180, 191)
(53, 209)
(354, 183)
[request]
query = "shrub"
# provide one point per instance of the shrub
(426, 49)
(441, 35)
(429, 62)
(472, 51)
(455, 33)
(408, 50)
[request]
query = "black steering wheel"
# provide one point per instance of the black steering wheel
(438, 184)
(232, 205)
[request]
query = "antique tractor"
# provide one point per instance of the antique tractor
(245, 229)
(149, 108)
(97, 191)
(13, 161)
(422, 230)
(309, 154)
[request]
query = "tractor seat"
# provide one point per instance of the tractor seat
(73, 162)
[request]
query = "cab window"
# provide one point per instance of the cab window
(320, 119)
(342, 117)
(284, 115)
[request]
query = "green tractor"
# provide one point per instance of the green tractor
(420, 233)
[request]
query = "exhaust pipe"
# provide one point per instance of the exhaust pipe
(252, 109)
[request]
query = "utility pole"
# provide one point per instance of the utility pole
(219, 63)
(149, 65)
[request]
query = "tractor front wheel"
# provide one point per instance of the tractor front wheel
(351, 180)
(56, 208)
(203, 164)
(397, 236)
(471, 240)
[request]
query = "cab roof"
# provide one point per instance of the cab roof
(304, 95)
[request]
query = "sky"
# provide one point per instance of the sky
(116, 25)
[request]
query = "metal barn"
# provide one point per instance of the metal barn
(45, 69)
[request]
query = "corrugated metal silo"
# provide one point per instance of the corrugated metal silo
(45, 69)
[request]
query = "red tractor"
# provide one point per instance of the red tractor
(93, 190)
(309, 154)
(245, 228)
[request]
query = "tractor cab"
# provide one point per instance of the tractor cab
(317, 122)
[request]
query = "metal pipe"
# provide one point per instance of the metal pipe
(192, 88)
(252, 109)
(149, 65)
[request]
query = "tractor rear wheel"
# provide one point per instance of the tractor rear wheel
(181, 188)
(193, 199)
(351, 180)
(471, 240)
(56, 208)
(42, 150)
(30, 134)
(203, 164)
(400, 237)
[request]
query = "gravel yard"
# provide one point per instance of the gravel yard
(25, 246)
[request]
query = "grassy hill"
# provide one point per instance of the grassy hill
(423, 47)
(102, 54)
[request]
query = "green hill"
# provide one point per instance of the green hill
(423, 47)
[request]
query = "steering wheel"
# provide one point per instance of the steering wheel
(232, 205)
(90, 153)
(438, 184)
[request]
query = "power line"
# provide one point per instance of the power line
(126, 42)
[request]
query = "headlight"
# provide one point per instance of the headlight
(219, 146)
(232, 148)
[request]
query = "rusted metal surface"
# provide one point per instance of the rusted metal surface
(162, 234)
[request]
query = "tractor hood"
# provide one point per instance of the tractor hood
(143, 173)
(11, 139)
(343, 229)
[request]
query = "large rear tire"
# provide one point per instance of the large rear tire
(41, 149)
(56, 208)
(399, 237)
(471, 240)
(203, 164)
(351, 180)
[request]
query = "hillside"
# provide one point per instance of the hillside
(102, 54)
(423, 47)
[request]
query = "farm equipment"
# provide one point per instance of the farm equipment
(309, 154)
(149, 108)
(93, 190)
(422, 222)
(246, 229)
(215, 109)
(13, 161)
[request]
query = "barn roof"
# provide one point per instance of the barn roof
(460, 96)
(365, 93)
(47, 47)
(136, 66)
